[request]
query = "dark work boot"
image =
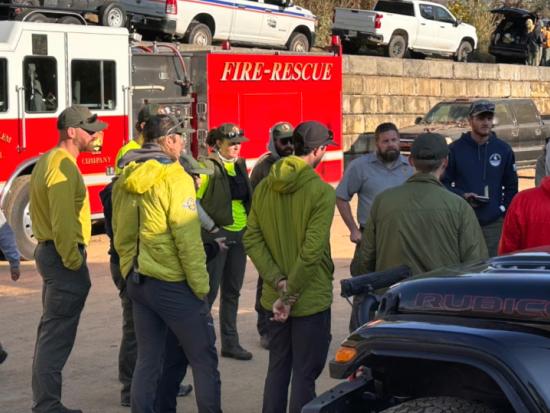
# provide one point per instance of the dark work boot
(237, 353)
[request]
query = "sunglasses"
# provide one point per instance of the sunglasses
(233, 134)
(176, 129)
(286, 141)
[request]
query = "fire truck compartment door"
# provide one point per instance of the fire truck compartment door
(247, 21)
(267, 109)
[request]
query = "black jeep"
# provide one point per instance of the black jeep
(464, 341)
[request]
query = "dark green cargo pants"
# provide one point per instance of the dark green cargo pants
(491, 233)
(127, 353)
(64, 294)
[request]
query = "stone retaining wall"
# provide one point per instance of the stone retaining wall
(377, 89)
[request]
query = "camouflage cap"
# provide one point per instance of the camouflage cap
(228, 131)
(281, 130)
(79, 117)
(481, 106)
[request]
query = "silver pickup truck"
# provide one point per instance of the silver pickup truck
(404, 28)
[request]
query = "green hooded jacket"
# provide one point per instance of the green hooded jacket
(420, 224)
(288, 235)
(154, 210)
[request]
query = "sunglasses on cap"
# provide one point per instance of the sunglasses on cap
(176, 129)
(233, 134)
(83, 123)
(286, 141)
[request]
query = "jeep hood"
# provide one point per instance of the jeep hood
(513, 295)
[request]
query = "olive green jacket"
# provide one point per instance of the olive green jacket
(216, 200)
(288, 235)
(420, 224)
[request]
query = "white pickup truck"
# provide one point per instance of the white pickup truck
(274, 23)
(405, 27)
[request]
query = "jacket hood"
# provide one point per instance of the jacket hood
(272, 149)
(147, 151)
(545, 185)
(143, 168)
(290, 174)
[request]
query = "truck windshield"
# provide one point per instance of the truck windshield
(404, 8)
(448, 113)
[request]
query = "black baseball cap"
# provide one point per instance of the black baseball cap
(228, 131)
(481, 106)
(147, 111)
(79, 117)
(313, 134)
(429, 147)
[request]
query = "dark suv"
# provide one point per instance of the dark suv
(508, 41)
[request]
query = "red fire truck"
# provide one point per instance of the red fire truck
(46, 67)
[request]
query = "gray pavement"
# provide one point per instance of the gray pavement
(90, 376)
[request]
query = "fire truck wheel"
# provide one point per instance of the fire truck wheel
(112, 15)
(298, 42)
(199, 34)
(18, 216)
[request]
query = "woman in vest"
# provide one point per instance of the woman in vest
(225, 196)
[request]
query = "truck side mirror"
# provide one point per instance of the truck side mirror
(418, 120)
(287, 3)
(458, 22)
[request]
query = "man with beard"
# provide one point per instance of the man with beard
(61, 223)
(420, 224)
(367, 176)
(482, 170)
(280, 145)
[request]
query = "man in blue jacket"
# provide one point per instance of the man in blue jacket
(10, 251)
(482, 169)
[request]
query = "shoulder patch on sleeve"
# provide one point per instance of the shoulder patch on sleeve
(190, 204)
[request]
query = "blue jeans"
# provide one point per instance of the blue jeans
(160, 306)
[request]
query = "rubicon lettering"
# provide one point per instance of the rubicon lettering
(276, 71)
(523, 307)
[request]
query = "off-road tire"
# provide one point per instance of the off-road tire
(298, 42)
(199, 34)
(18, 215)
(463, 51)
(397, 47)
(439, 405)
(69, 20)
(112, 15)
(37, 18)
